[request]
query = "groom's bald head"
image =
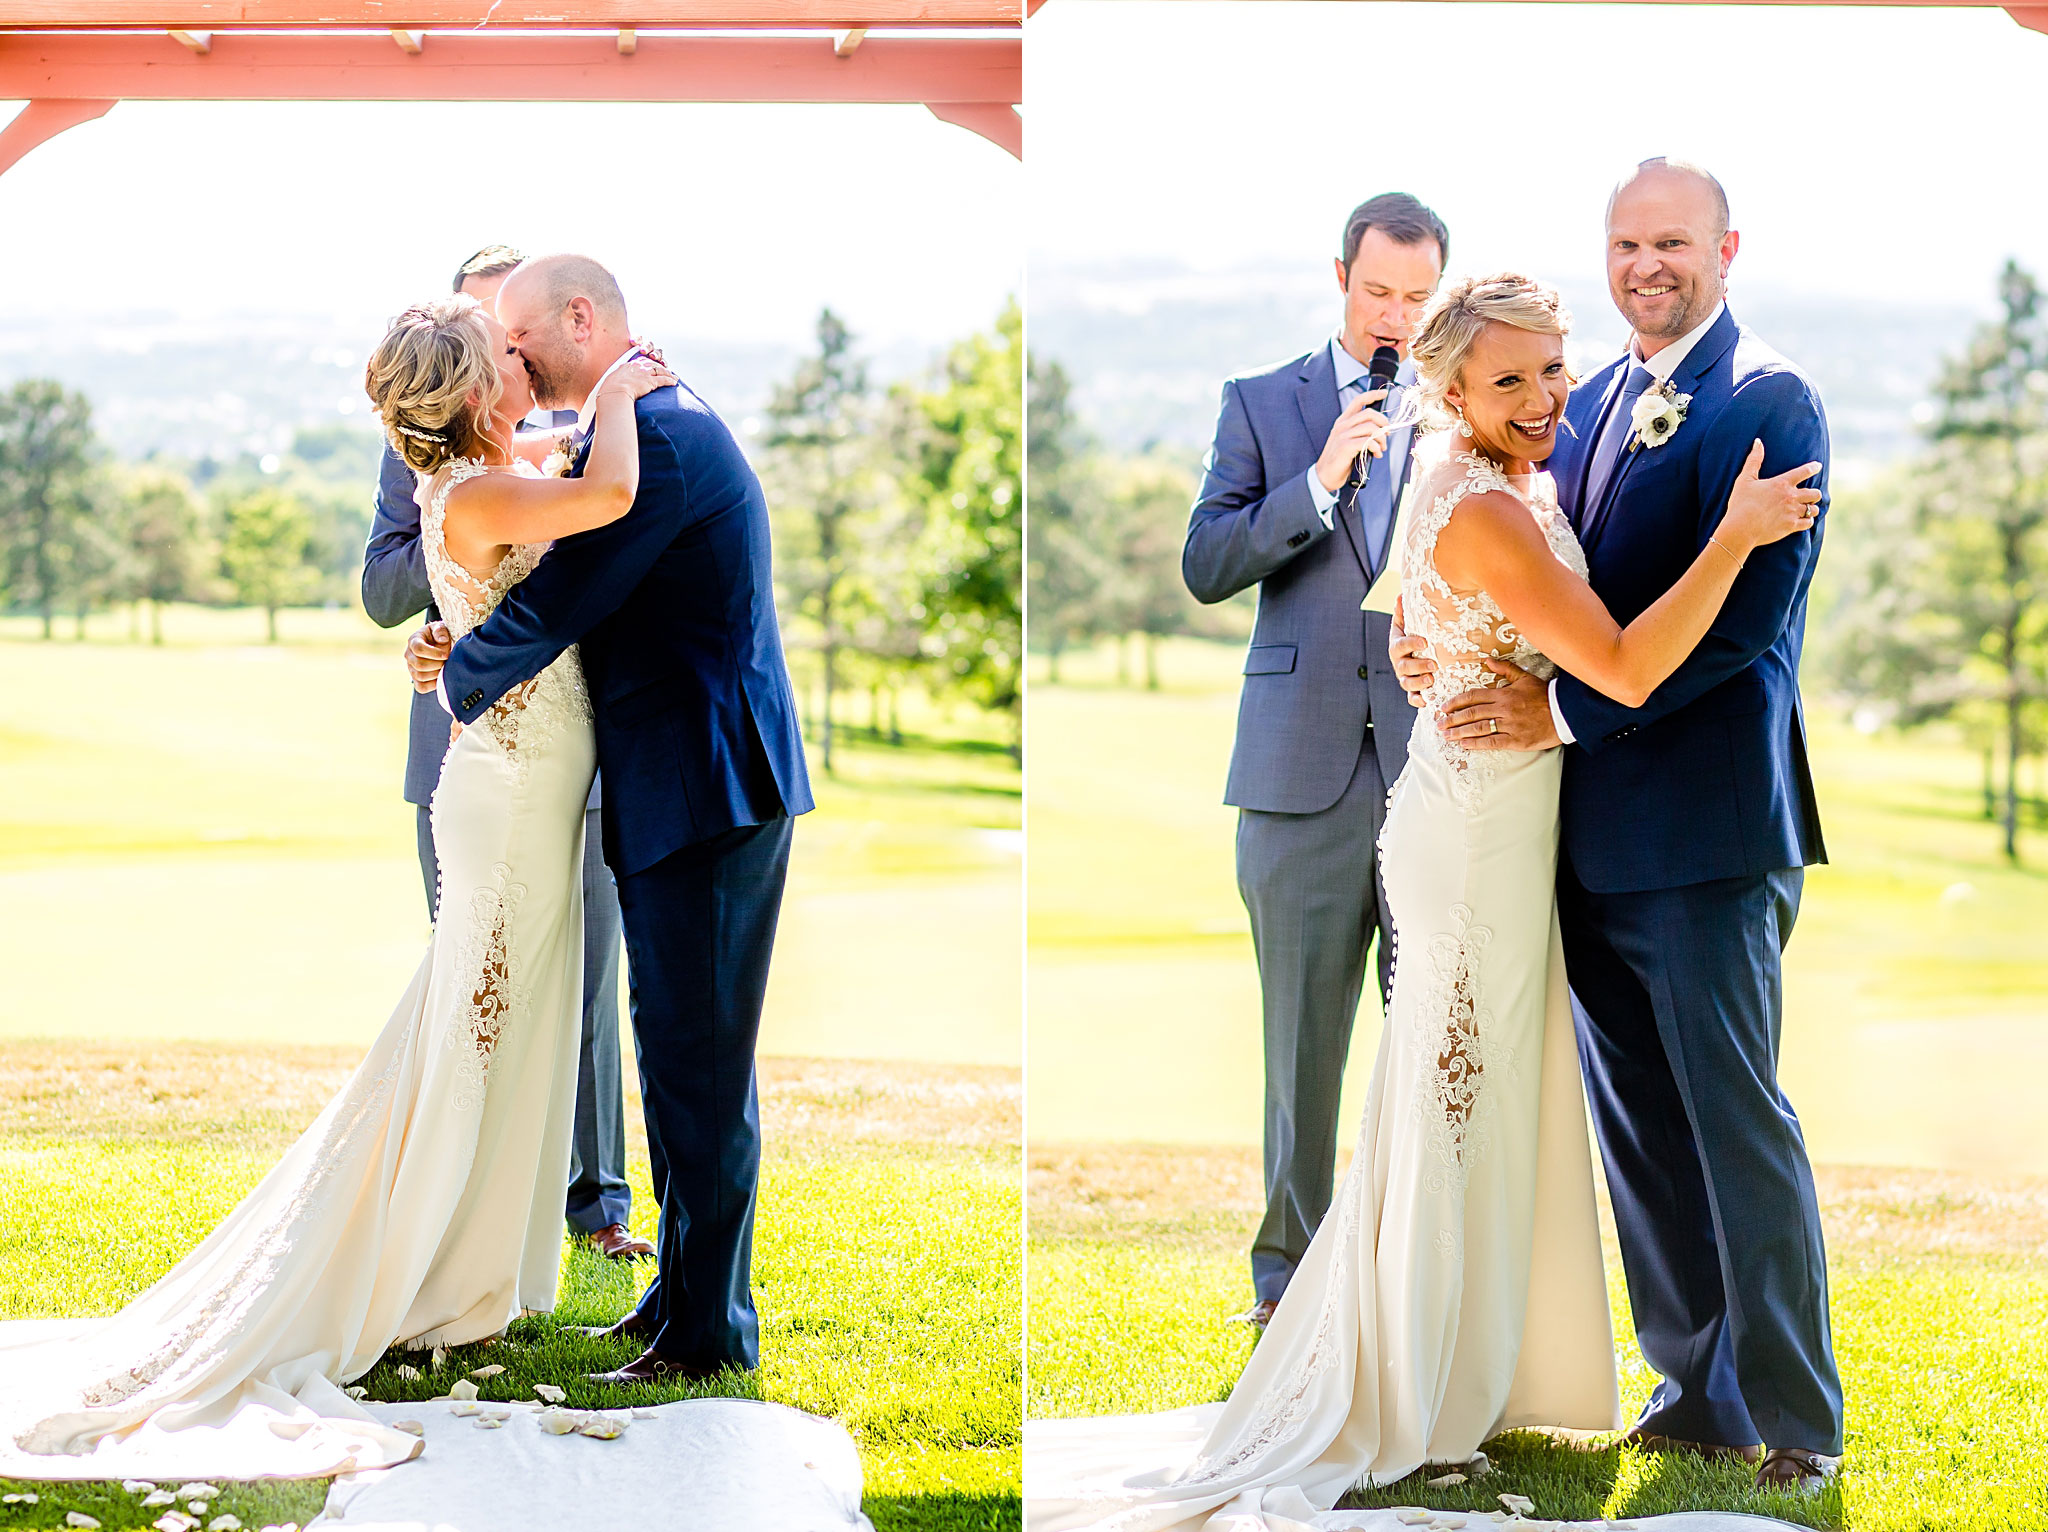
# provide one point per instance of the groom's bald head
(556, 281)
(1669, 248)
(566, 317)
(1678, 176)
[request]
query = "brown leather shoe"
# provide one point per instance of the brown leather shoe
(1258, 1315)
(651, 1367)
(632, 1324)
(616, 1242)
(1794, 1470)
(1713, 1452)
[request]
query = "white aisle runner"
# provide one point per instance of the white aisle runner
(712, 1465)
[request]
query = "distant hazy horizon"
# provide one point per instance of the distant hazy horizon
(1868, 152)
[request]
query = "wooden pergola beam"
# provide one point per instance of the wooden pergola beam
(507, 15)
(465, 66)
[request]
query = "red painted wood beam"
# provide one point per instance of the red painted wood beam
(2034, 16)
(216, 15)
(41, 121)
(470, 67)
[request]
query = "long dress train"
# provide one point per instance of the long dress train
(1455, 1288)
(424, 1206)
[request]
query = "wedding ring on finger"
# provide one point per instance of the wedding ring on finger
(1493, 726)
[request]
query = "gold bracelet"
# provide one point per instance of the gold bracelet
(1724, 548)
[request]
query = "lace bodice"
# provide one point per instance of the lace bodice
(527, 715)
(1464, 628)
(464, 600)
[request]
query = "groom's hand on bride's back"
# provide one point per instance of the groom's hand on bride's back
(425, 653)
(1414, 666)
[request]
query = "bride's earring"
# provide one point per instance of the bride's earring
(1464, 426)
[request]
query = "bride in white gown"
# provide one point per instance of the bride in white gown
(424, 1205)
(1455, 1289)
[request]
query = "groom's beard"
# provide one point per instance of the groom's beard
(550, 386)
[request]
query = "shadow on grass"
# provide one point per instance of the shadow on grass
(1586, 1483)
(950, 1511)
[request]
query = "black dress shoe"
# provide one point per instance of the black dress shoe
(1794, 1470)
(632, 1324)
(652, 1367)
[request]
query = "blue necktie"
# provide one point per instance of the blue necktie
(1374, 498)
(1613, 435)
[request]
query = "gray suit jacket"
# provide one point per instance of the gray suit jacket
(395, 590)
(1316, 676)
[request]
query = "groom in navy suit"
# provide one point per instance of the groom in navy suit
(1687, 823)
(674, 608)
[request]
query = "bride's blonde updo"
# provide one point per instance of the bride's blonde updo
(1459, 314)
(434, 380)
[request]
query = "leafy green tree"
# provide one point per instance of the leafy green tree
(1948, 617)
(267, 550)
(46, 494)
(1070, 573)
(822, 460)
(965, 467)
(164, 537)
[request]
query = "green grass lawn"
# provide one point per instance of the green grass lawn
(203, 825)
(887, 1265)
(1919, 954)
(190, 834)
(1918, 968)
(1940, 1311)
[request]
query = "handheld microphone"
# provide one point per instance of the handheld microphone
(1386, 362)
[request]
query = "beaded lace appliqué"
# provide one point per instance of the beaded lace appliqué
(532, 713)
(1466, 628)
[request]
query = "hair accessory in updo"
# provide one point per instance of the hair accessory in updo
(434, 380)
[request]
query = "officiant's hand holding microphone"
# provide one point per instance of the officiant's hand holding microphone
(1359, 435)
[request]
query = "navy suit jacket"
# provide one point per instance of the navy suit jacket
(1317, 669)
(1708, 778)
(395, 589)
(674, 606)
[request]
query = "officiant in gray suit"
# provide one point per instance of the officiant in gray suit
(600, 1202)
(1322, 725)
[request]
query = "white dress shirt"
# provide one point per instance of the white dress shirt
(1660, 367)
(583, 419)
(1350, 370)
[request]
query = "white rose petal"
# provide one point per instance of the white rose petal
(196, 1507)
(196, 1487)
(1521, 1505)
(557, 1422)
(160, 1497)
(354, 1391)
(647, 1412)
(440, 1355)
(549, 1392)
(174, 1521)
(464, 1407)
(488, 1372)
(224, 1524)
(408, 1373)
(602, 1428)
(462, 1388)
(489, 1423)
(1444, 1481)
(137, 1486)
(79, 1519)
(1413, 1516)
(410, 1427)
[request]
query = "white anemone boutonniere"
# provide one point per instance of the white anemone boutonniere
(1657, 414)
(556, 464)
